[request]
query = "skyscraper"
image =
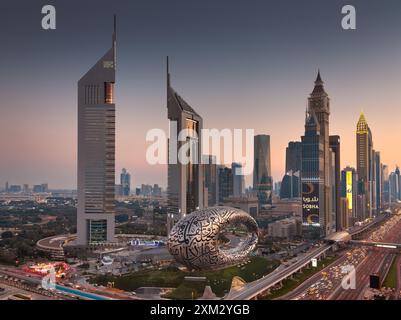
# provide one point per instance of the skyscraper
(238, 180)
(398, 174)
(378, 181)
(211, 180)
(349, 190)
(96, 151)
(225, 178)
(291, 182)
(290, 185)
(262, 179)
(363, 159)
(395, 185)
(125, 181)
(315, 173)
(385, 185)
(185, 180)
(293, 156)
(312, 178)
(336, 193)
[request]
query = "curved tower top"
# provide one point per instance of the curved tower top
(362, 126)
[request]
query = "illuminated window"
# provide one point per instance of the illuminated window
(108, 92)
(192, 127)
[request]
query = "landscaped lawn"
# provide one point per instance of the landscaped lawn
(220, 281)
(391, 279)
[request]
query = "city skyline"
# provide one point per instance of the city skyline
(217, 81)
(123, 152)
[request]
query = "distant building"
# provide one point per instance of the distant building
(246, 203)
(361, 206)
(291, 185)
(211, 180)
(125, 181)
(277, 188)
(25, 188)
(156, 191)
(118, 190)
(238, 180)
(378, 181)
(225, 179)
(385, 185)
(394, 186)
(40, 188)
(14, 189)
(336, 183)
(398, 185)
(285, 228)
(345, 213)
(293, 156)
(146, 190)
(262, 178)
(285, 206)
(349, 190)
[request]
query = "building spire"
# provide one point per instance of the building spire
(318, 80)
(114, 29)
(114, 38)
(167, 73)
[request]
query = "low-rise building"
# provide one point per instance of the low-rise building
(247, 203)
(285, 228)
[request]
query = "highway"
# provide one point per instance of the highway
(377, 261)
(326, 285)
(257, 287)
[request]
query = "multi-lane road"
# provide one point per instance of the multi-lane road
(328, 284)
(253, 289)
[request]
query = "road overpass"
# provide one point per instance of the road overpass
(253, 289)
(376, 244)
(360, 229)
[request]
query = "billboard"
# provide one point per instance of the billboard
(349, 187)
(310, 203)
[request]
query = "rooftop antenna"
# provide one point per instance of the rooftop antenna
(115, 28)
(114, 38)
(167, 72)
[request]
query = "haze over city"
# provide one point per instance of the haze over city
(94, 93)
(239, 64)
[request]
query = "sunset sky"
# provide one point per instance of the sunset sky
(239, 64)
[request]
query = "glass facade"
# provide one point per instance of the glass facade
(192, 166)
(96, 231)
